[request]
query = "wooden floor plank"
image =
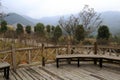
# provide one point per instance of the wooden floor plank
(86, 71)
(11, 76)
(15, 75)
(45, 75)
(33, 73)
(30, 74)
(24, 75)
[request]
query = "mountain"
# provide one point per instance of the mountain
(47, 20)
(14, 18)
(110, 18)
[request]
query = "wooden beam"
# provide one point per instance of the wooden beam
(29, 57)
(57, 63)
(100, 62)
(43, 58)
(13, 55)
(78, 62)
(95, 48)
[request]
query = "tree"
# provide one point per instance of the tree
(103, 32)
(28, 29)
(52, 31)
(89, 19)
(39, 28)
(4, 27)
(48, 28)
(79, 33)
(57, 33)
(52, 28)
(39, 32)
(19, 29)
(69, 25)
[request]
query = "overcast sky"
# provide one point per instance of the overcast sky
(47, 8)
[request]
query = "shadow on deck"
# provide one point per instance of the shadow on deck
(86, 71)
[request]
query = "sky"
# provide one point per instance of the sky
(47, 8)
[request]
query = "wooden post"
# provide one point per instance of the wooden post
(13, 55)
(57, 63)
(29, 57)
(100, 62)
(95, 52)
(78, 62)
(56, 51)
(43, 58)
(68, 52)
(95, 48)
(68, 48)
(95, 61)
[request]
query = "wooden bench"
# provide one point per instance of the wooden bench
(81, 57)
(6, 67)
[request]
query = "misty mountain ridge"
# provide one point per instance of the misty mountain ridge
(110, 18)
(14, 18)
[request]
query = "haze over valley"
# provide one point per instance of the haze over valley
(49, 11)
(110, 18)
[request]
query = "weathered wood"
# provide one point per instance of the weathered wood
(86, 71)
(49, 53)
(95, 48)
(43, 57)
(6, 67)
(78, 62)
(29, 57)
(4, 64)
(57, 62)
(13, 54)
(81, 56)
(100, 62)
(68, 49)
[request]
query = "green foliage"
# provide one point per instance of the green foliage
(48, 28)
(57, 33)
(79, 33)
(39, 28)
(53, 28)
(4, 27)
(19, 29)
(28, 29)
(103, 32)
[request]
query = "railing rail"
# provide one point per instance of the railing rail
(17, 56)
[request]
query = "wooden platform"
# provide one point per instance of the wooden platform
(87, 71)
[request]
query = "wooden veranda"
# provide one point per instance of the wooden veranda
(23, 63)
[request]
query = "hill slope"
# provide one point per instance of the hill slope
(110, 18)
(14, 18)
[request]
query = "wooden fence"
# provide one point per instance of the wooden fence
(45, 54)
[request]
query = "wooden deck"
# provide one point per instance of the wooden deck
(87, 71)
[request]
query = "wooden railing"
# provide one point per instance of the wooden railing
(45, 54)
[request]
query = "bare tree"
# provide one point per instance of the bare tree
(69, 25)
(89, 19)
